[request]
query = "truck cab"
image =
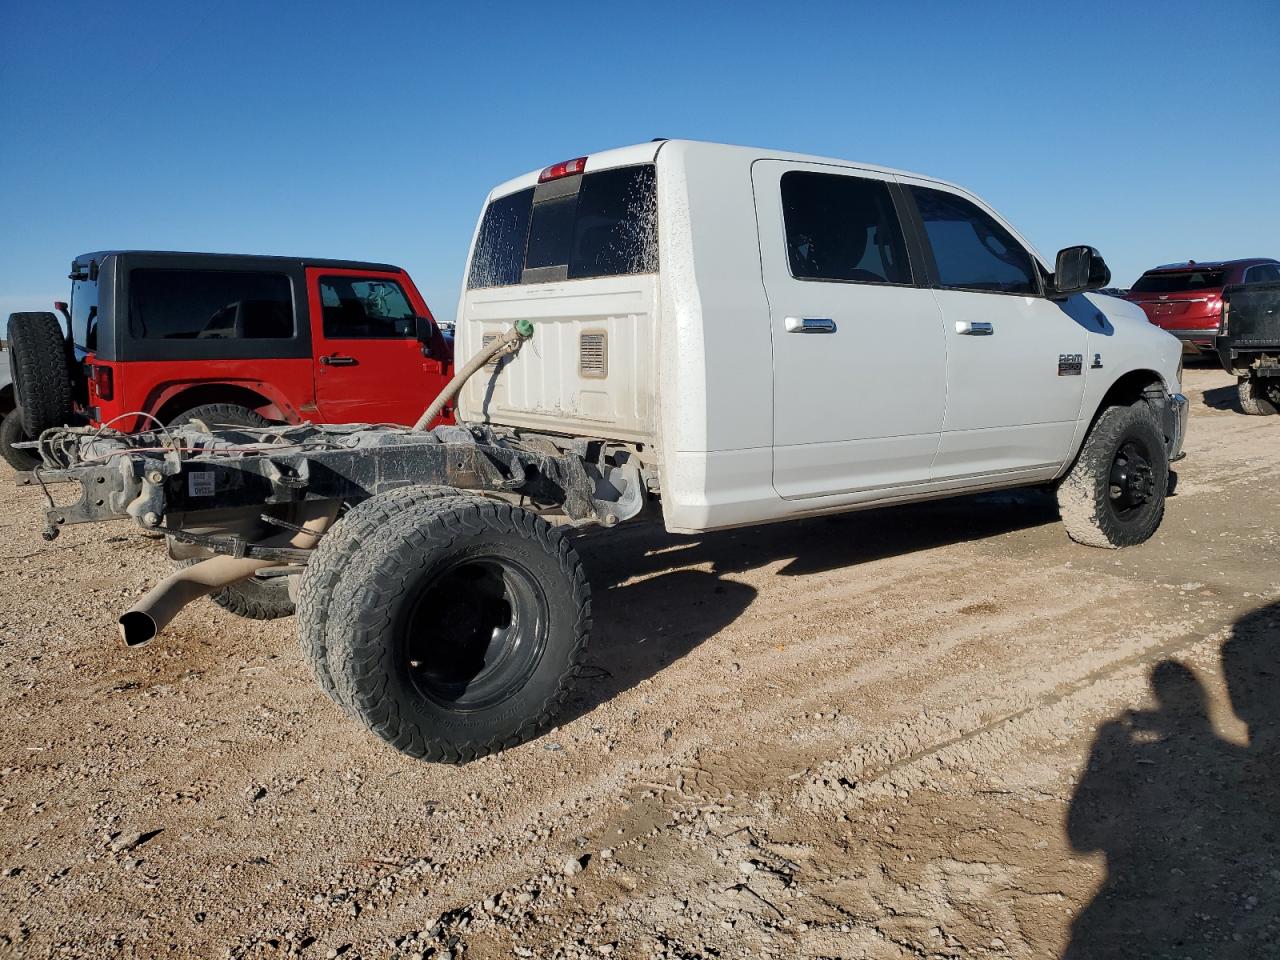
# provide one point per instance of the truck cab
(777, 335)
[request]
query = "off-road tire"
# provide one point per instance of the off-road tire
(443, 583)
(42, 382)
(1257, 396)
(215, 415)
(331, 559)
(257, 598)
(1091, 512)
(11, 432)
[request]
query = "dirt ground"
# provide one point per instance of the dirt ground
(935, 731)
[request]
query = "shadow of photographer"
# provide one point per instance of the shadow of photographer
(1189, 822)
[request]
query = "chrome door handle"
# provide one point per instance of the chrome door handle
(974, 328)
(337, 360)
(809, 325)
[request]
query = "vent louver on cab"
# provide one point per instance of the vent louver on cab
(593, 354)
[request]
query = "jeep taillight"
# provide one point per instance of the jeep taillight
(104, 382)
(566, 169)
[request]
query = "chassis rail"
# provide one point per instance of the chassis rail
(187, 478)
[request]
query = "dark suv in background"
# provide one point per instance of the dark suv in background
(1186, 298)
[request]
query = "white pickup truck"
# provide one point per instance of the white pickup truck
(730, 335)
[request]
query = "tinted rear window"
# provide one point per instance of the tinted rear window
(1180, 282)
(842, 228)
(209, 305)
(606, 228)
(84, 314)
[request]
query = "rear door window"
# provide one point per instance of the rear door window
(209, 305)
(84, 314)
(601, 224)
(971, 250)
(359, 308)
(1181, 281)
(842, 228)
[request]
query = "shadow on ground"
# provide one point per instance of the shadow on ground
(1189, 823)
(650, 607)
(1223, 398)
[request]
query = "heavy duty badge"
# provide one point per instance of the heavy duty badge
(1070, 364)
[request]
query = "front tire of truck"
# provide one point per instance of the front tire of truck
(11, 432)
(1114, 495)
(1259, 397)
(338, 551)
(462, 629)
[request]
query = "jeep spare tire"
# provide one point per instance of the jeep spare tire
(41, 371)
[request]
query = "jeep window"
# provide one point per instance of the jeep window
(84, 314)
(356, 308)
(971, 249)
(1179, 281)
(607, 227)
(209, 305)
(842, 228)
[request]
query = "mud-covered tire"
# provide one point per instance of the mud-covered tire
(215, 415)
(1114, 494)
(1257, 397)
(11, 432)
(257, 598)
(330, 561)
(461, 628)
(38, 362)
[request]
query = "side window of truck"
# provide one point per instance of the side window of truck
(842, 228)
(971, 249)
(358, 308)
(209, 305)
(1263, 273)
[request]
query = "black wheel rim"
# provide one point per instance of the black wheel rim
(475, 633)
(1132, 481)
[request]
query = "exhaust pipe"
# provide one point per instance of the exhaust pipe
(145, 619)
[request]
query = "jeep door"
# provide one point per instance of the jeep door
(859, 360)
(370, 366)
(1016, 361)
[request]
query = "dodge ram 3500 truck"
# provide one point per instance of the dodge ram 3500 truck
(731, 335)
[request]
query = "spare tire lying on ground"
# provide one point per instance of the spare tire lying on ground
(11, 432)
(41, 371)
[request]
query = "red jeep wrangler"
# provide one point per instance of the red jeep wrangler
(226, 339)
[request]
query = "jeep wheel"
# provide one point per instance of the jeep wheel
(216, 415)
(41, 371)
(257, 598)
(1114, 495)
(11, 432)
(460, 630)
(1258, 396)
(336, 552)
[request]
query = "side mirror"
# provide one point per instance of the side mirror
(1078, 269)
(424, 329)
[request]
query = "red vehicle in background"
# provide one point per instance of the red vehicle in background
(226, 339)
(1186, 298)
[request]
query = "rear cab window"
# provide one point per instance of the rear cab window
(209, 305)
(84, 314)
(595, 224)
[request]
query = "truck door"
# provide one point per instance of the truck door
(370, 366)
(1016, 361)
(859, 361)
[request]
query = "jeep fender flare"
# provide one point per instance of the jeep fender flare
(175, 396)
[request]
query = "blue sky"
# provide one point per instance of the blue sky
(374, 130)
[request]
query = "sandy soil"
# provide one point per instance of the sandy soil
(937, 731)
